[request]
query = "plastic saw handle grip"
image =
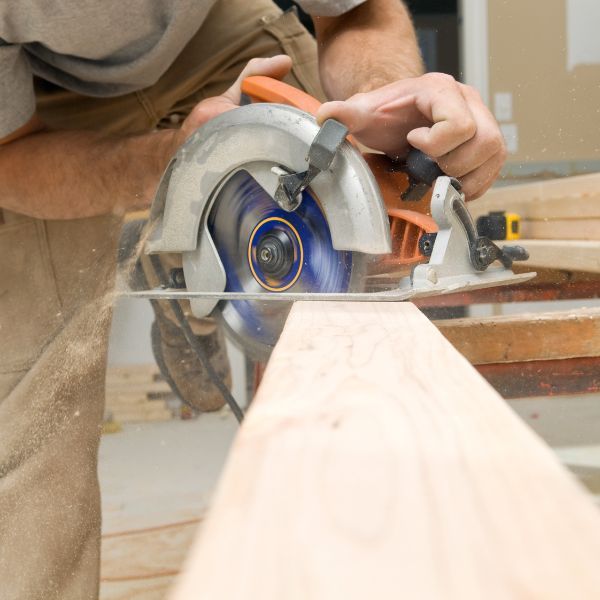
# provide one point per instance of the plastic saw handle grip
(266, 89)
(422, 168)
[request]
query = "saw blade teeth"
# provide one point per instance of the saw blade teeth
(241, 219)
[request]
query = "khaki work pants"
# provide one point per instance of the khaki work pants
(56, 279)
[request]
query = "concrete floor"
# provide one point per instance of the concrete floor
(157, 480)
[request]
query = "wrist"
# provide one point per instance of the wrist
(147, 156)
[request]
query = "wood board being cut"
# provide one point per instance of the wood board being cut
(376, 463)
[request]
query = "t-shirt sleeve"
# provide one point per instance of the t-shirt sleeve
(328, 8)
(17, 98)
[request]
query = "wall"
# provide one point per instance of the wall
(544, 60)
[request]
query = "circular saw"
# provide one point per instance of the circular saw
(266, 207)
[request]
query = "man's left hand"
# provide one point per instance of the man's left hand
(445, 119)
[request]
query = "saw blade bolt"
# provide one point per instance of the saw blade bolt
(275, 254)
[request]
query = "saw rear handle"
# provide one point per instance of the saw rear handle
(422, 172)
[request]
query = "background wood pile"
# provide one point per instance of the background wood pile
(560, 220)
(138, 393)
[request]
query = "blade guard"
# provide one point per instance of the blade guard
(256, 138)
(406, 225)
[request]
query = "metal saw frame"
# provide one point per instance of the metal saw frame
(258, 138)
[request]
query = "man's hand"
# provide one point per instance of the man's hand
(434, 113)
(276, 67)
(369, 57)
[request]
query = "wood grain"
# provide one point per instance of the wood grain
(376, 463)
(565, 229)
(566, 198)
(564, 377)
(568, 255)
(517, 338)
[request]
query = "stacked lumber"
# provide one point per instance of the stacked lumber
(136, 393)
(560, 220)
(542, 354)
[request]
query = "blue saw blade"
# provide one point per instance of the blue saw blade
(242, 217)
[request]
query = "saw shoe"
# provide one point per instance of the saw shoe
(181, 367)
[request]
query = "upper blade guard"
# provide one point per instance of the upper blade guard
(256, 139)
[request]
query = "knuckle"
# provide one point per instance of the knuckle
(466, 127)
(471, 92)
(252, 63)
(500, 153)
(503, 153)
(493, 142)
(440, 78)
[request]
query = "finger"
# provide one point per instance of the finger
(377, 125)
(487, 143)
(476, 183)
(205, 111)
(353, 113)
(453, 122)
(275, 66)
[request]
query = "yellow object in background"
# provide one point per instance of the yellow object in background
(500, 225)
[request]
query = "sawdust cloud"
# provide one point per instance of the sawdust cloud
(66, 383)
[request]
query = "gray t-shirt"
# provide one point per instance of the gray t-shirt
(98, 47)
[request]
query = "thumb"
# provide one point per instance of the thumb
(275, 66)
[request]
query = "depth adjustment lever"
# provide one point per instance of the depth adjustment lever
(482, 251)
(321, 153)
(422, 173)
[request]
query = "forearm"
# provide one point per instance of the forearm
(76, 174)
(368, 47)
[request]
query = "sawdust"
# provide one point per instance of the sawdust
(63, 391)
(52, 418)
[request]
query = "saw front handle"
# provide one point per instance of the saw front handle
(266, 89)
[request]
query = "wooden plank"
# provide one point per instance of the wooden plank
(563, 254)
(571, 376)
(130, 399)
(139, 414)
(133, 375)
(128, 387)
(567, 229)
(566, 286)
(518, 338)
(376, 463)
(565, 198)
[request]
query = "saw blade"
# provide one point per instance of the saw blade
(268, 251)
